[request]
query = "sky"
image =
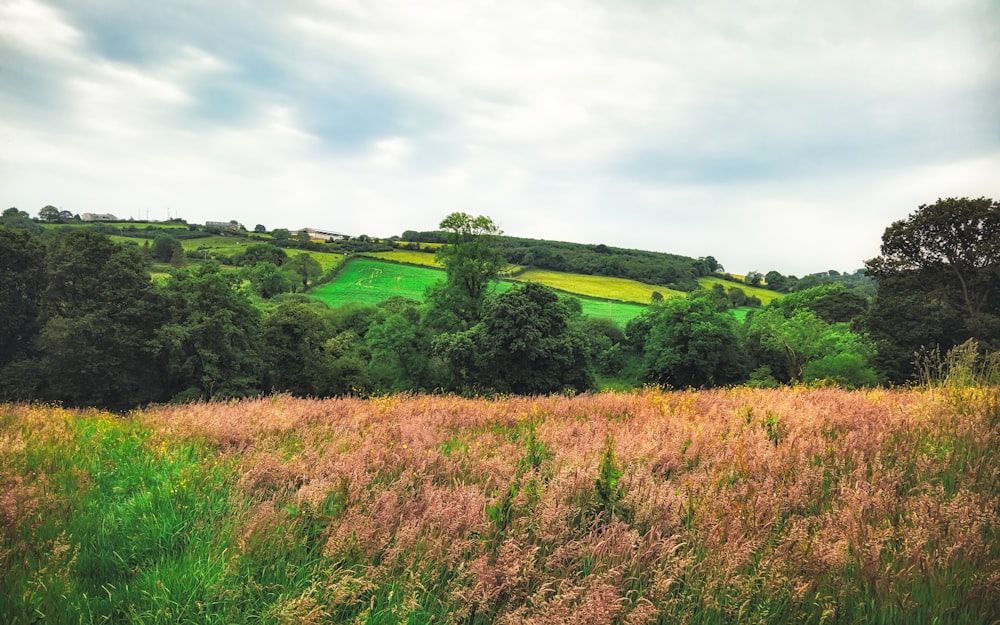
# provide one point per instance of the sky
(771, 134)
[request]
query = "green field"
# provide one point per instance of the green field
(368, 281)
(619, 312)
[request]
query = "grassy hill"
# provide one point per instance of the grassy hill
(730, 506)
(603, 296)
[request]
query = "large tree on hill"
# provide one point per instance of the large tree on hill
(472, 260)
(939, 281)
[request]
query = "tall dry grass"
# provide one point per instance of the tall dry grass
(742, 505)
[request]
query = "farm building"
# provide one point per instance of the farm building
(98, 217)
(326, 235)
(222, 225)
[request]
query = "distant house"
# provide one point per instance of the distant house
(98, 217)
(326, 235)
(222, 225)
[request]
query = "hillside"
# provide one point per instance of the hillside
(590, 271)
(805, 506)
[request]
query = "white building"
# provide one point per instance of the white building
(98, 217)
(326, 235)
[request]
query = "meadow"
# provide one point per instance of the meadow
(751, 506)
(370, 281)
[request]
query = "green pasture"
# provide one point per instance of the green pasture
(619, 312)
(369, 281)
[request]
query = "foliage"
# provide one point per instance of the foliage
(261, 253)
(268, 280)
(164, 247)
(690, 342)
(22, 257)
(938, 276)
(472, 262)
(297, 358)
(796, 345)
(833, 303)
(97, 312)
(19, 220)
(307, 268)
(400, 351)
(526, 343)
(209, 345)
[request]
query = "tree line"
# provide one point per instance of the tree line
(85, 324)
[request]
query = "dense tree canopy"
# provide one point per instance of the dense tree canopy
(528, 343)
(210, 345)
(939, 281)
(691, 342)
(98, 311)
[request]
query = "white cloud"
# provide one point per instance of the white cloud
(770, 134)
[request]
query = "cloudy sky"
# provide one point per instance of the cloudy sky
(771, 134)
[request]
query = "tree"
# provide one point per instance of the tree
(307, 267)
(959, 235)
(525, 344)
(754, 278)
(400, 353)
(98, 312)
(280, 235)
(833, 302)
(267, 280)
(210, 345)
(22, 280)
(785, 340)
(797, 345)
(775, 281)
(259, 229)
(295, 336)
(164, 247)
(938, 281)
(20, 220)
(472, 261)
(690, 342)
(49, 213)
(263, 252)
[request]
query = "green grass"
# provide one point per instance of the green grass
(367, 281)
(619, 312)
